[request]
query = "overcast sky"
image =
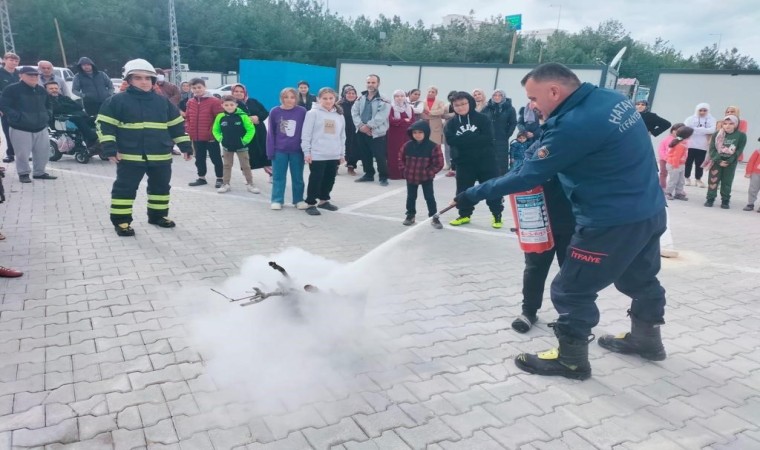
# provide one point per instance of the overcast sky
(688, 25)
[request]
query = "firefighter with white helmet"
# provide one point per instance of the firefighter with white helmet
(137, 130)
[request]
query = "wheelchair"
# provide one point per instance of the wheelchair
(66, 139)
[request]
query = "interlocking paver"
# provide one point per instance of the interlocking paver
(421, 436)
(344, 431)
(64, 432)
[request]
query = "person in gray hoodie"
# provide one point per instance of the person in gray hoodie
(323, 140)
(92, 85)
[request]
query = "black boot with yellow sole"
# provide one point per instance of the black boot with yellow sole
(569, 360)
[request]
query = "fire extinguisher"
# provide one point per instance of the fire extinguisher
(534, 232)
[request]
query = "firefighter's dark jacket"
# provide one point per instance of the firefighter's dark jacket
(142, 126)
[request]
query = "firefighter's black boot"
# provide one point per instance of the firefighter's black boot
(570, 360)
(643, 340)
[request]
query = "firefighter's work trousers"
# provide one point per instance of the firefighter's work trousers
(128, 177)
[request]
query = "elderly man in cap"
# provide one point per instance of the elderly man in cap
(47, 74)
(26, 107)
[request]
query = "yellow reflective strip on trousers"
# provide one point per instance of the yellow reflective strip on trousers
(165, 157)
(122, 201)
(121, 211)
(106, 138)
(131, 157)
(157, 206)
(143, 125)
(158, 198)
(107, 119)
(177, 140)
(176, 121)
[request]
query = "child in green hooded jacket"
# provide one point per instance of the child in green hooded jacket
(234, 130)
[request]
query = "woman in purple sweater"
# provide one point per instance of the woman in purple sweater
(284, 149)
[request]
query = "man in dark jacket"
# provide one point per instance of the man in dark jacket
(62, 105)
(504, 121)
(92, 85)
(26, 107)
(597, 143)
(8, 76)
(471, 134)
(138, 131)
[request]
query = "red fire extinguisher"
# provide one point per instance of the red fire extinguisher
(531, 217)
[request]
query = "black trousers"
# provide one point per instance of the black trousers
(502, 156)
(481, 171)
(128, 177)
(696, 157)
(427, 192)
(91, 107)
(370, 148)
(214, 152)
(321, 180)
(536, 270)
(627, 256)
(7, 133)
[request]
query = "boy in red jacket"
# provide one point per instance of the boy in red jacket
(753, 173)
(420, 159)
(199, 118)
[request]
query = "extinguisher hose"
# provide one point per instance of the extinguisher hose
(438, 214)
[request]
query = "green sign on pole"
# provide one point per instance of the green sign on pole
(515, 22)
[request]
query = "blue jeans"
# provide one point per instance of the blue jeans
(280, 165)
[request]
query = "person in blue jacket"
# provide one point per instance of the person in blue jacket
(597, 143)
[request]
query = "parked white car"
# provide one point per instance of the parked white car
(116, 84)
(221, 91)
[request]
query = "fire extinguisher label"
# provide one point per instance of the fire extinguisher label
(533, 218)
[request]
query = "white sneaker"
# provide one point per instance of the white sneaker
(252, 189)
(699, 183)
(302, 205)
(688, 182)
(276, 206)
(224, 188)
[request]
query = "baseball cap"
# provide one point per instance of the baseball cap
(28, 70)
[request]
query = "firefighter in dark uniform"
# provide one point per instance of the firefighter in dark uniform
(137, 130)
(598, 144)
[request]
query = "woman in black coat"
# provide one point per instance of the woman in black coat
(257, 149)
(656, 125)
(347, 98)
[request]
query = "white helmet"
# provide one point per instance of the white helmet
(139, 65)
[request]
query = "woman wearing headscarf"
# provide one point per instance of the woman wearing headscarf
(347, 98)
(401, 118)
(480, 99)
(529, 121)
(704, 126)
(655, 124)
(257, 149)
(725, 148)
(504, 121)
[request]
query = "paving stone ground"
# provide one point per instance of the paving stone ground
(96, 352)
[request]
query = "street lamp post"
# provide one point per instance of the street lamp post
(559, 14)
